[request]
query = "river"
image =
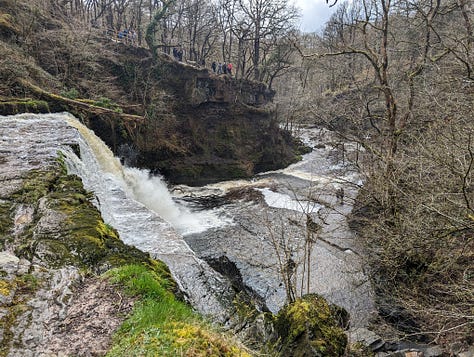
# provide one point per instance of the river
(238, 227)
(277, 217)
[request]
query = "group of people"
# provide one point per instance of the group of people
(129, 36)
(221, 68)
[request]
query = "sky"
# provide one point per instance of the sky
(315, 13)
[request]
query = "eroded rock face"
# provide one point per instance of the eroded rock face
(200, 127)
(50, 235)
(56, 311)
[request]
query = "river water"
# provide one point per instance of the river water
(306, 188)
(247, 230)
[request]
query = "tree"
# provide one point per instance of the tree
(152, 27)
(394, 77)
(265, 19)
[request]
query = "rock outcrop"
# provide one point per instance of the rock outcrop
(200, 127)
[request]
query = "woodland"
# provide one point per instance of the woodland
(394, 77)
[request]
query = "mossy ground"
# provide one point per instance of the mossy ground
(21, 105)
(161, 325)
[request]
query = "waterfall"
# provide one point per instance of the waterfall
(150, 190)
(144, 213)
(141, 208)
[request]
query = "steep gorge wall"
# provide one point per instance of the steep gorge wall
(199, 127)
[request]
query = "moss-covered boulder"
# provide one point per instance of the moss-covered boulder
(311, 327)
(63, 227)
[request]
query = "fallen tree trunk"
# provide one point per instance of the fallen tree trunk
(78, 107)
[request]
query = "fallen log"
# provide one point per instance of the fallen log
(79, 107)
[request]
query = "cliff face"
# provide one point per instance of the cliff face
(199, 127)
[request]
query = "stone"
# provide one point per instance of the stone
(434, 351)
(8, 262)
(366, 337)
(467, 353)
(23, 266)
(414, 354)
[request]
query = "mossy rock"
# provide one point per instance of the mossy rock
(80, 237)
(311, 327)
(23, 106)
(6, 221)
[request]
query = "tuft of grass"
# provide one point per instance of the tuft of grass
(161, 325)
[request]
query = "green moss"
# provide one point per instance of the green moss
(161, 325)
(7, 24)
(23, 106)
(6, 221)
(5, 287)
(22, 288)
(35, 186)
(309, 326)
(245, 310)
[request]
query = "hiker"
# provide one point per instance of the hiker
(180, 55)
(340, 195)
(229, 68)
(219, 68)
(133, 37)
(213, 66)
(224, 68)
(175, 53)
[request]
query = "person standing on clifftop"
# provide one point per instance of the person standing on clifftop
(229, 68)
(213, 66)
(219, 68)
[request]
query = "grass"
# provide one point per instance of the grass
(161, 325)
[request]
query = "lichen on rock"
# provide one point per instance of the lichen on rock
(311, 327)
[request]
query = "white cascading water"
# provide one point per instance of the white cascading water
(141, 209)
(148, 189)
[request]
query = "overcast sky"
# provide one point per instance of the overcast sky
(315, 13)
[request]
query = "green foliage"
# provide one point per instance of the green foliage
(107, 103)
(160, 325)
(71, 93)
